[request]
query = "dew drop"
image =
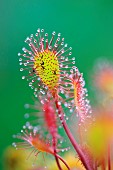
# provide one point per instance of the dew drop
(65, 45)
(60, 127)
(55, 45)
(62, 39)
(62, 51)
(24, 127)
(26, 106)
(53, 33)
(59, 103)
(66, 59)
(61, 121)
(38, 30)
(42, 30)
(26, 115)
(19, 54)
(20, 63)
(25, 64)
(31, 35)
(62, 57)
(67, 118)
(66, 66)
(61, 141)
(65, 104)
(23, 49)
(14, 144)
(58, 39)
(30, 127)
(35, 89)
(59, 34)
(21, 69)
(36, 95)
(27, 124)
(56, 110)
(14, 136)
(20, 59)
(30, 53)
(62, 91)
(30, 84)
(36, 34)
(31, 58)
(42, 39)
(74, 67)
(71, 71)
(46, 34)
(62, 150)
(23, 77)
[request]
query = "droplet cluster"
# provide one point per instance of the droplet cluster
(45, 61)
(75, 94)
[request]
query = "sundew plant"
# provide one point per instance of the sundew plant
(48, 65)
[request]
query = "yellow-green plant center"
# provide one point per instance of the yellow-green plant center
(47, 68)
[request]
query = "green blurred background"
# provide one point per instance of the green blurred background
(87, 26)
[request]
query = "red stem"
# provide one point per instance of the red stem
(109, 158)
(72, 139)
(63, 161)
(55, 155)
(103, 165)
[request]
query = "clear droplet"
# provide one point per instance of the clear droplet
(21, 69)
(23, 77)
